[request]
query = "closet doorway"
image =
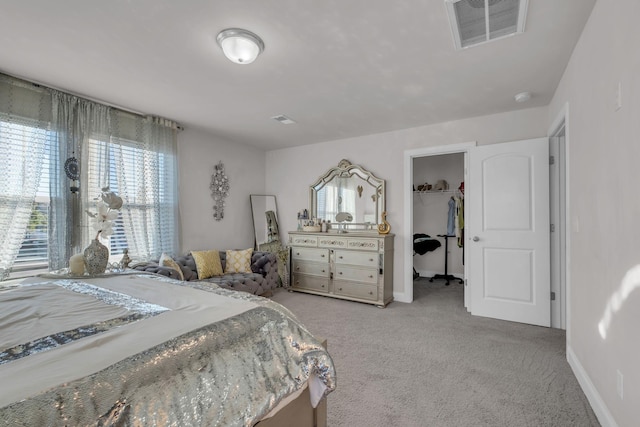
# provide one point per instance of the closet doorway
(438, 195)
(428, 213)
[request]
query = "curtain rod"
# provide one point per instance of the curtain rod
(99, 101)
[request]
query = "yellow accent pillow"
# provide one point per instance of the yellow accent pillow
(208, 263)
(239, 261)
(167, 261)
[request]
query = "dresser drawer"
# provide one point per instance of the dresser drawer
(365, 259)
(313, 268)
(310, 254)
(356, 290)
(363, 244)
(367, 275)
(303, 240)
(355, 266)
(312, 283)
(332, 242)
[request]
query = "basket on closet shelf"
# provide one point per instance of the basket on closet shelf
(311, 228)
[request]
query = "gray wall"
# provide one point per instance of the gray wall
(198, 153)
(604, 210)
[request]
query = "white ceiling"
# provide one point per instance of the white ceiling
(339, 68)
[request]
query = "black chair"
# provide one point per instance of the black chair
(423, 243)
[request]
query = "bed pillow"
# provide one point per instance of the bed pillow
(167, 261)
(238, 261)
(208, 263)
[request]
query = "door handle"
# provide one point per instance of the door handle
(476, 238)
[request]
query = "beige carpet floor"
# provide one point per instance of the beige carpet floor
(430, 363)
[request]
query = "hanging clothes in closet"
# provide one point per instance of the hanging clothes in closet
(451, 220)
(459, 215)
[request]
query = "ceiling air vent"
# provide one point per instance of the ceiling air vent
(479, 21)
(283, 119)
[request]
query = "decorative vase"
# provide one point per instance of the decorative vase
(96, 258)
(384, 227)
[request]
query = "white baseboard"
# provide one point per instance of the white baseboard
(401, 297)
(598, 405)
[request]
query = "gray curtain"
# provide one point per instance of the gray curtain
(76, 121)
(25, 111)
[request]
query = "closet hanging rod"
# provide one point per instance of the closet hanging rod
(435, 191)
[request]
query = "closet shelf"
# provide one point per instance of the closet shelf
(424, 195)
(434, 192)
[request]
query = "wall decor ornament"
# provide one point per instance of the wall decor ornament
(219, 190)
(72, 170)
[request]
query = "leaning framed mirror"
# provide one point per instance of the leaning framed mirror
(264, 211)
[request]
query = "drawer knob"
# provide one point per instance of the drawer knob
(370, 292)
(339, 289)
(370, 276)
(322, 255)
(297, 282)
(370, 259)
(323, 270)
(323, 286)
(340, 272)
(297, 253)
(340, 257)
(298, 268)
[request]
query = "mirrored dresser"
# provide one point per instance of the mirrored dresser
(353, 266)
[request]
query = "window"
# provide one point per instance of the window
(41, 222)
(332, 200)
(144, 179)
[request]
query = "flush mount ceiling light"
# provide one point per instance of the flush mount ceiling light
(479, 21)
(523, 96)
(240, 46)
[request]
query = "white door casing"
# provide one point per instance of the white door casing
(507, 231)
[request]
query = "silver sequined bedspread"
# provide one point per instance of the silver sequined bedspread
(228, 373)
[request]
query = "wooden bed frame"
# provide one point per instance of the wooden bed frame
(299, 412)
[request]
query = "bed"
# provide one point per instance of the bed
(140, 349)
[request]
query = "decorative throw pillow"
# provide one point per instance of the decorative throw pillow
(239, 261)
(167, 261)
(208, 263)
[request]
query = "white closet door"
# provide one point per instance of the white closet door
(507, 233)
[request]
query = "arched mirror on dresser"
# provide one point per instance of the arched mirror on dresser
(264, 210)
(353, 259)
(348, 191)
